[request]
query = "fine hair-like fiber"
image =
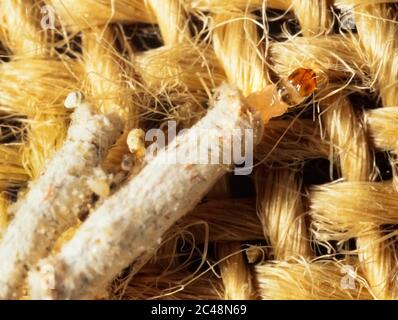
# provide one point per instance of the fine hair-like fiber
(317, 217)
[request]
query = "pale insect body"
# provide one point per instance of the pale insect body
(275, 99)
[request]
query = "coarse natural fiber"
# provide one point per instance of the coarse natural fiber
(316, 219)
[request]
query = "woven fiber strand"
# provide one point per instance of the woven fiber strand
(317, 217)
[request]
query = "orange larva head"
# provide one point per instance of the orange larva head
(304, 80)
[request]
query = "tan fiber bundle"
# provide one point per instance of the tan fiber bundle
(92, 94)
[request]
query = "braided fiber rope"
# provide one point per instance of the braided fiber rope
(317, 217)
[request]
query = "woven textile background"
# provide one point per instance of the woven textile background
(317, 217)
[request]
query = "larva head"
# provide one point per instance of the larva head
(304, 80)
(299, 85)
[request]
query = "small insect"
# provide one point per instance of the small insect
(136, 143)
(304, 80)
(299, 85)
(74, 99)
(275, 99)
(99, 187)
